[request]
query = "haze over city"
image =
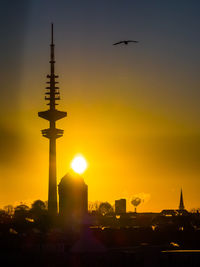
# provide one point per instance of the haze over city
(133, 111)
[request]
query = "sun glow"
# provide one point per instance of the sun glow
(79, 164)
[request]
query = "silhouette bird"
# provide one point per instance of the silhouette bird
(126, 42)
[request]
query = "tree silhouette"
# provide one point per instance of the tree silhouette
(105, 208)
(38, 206)
(4, 216)
(9, 209)
(5, 221)
(93, 206)
(39, 214)
(21, 218)
(21, 212)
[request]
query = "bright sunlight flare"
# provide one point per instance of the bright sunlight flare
(79, 164)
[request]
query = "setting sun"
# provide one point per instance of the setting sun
(79, 164)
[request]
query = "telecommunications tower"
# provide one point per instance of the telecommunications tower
(52, 133)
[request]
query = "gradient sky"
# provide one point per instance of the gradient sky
(133, 112)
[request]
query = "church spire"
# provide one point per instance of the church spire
(181, 205)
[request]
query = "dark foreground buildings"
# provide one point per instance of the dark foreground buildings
(73, 199)
(120, 206)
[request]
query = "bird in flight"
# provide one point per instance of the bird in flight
(126, 42)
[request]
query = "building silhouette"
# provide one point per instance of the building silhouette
(52, 133)
(120, 206)
(73, 198)
(176, 212)
(181, 204)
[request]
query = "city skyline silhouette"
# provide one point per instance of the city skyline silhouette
(121, 187)
(133, 110)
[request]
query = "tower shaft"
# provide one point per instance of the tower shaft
(52, 194)
(52, 133)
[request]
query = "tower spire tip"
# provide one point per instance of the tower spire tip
(51, 33)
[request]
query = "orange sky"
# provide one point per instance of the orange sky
(130, 149)
(133, 112)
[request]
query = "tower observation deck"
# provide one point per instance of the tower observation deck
(52, 95)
